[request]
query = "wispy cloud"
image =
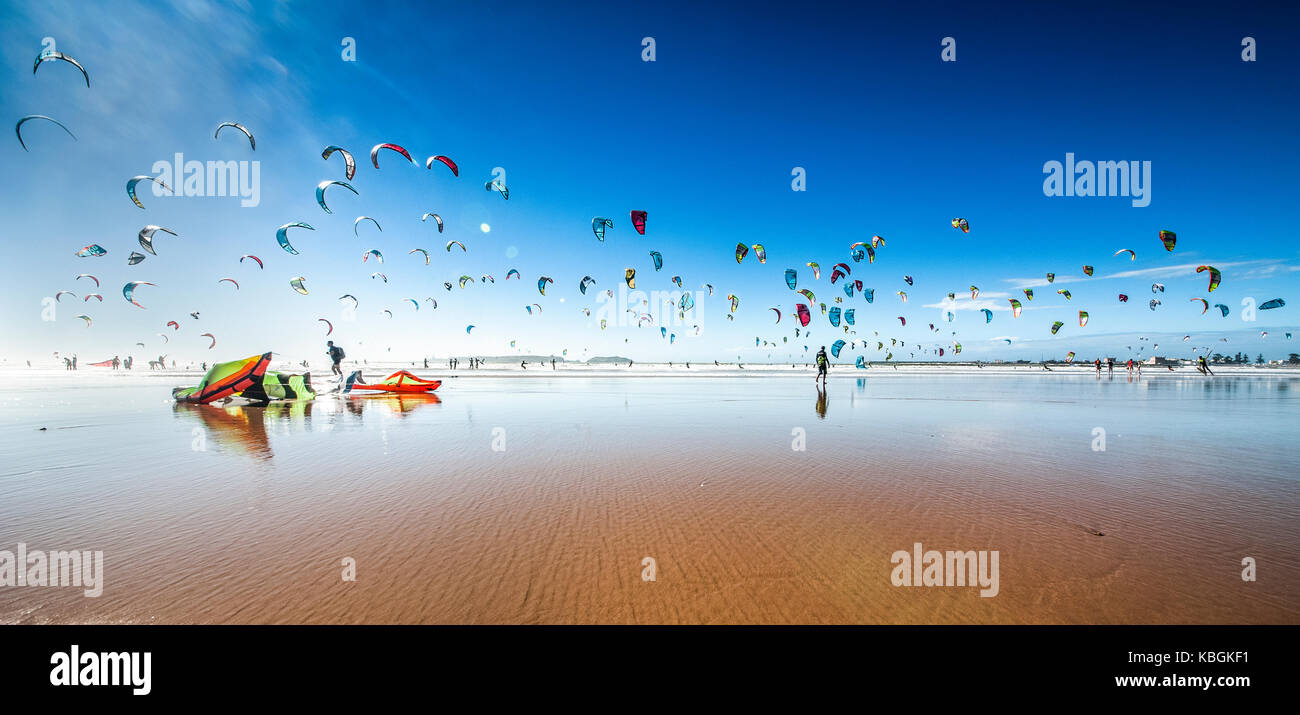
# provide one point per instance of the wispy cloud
(1261, 268)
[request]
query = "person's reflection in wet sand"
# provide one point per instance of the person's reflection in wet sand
(821, 402)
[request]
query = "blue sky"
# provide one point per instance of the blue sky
(894, 142)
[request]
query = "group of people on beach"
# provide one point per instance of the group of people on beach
(1110, 366)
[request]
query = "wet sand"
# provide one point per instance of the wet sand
(243, 515)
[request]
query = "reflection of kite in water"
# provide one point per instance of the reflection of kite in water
(1215, 276)
(128, 291)
(18, 128)
(297, 285)
(349, 166)
(638, 221)
(47, 55)
(598, 226)
(374, 153)
(282, 235)
(1168, 238)
(320, 192)
(130, 187)
(251, 141)
(1270, 305)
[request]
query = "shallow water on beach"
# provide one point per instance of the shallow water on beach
(511, 500)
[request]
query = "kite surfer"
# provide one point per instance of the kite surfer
(823, 365)
(336, 355)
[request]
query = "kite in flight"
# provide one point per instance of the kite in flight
(251, 141)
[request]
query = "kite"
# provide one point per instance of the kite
(908, 280)
(1015, 307)
(355, 302)
(58, 297)
(384, 277)
(320, 192)
(808, 294)
(367, 218)
(760, 253)
(836, 347)
(225, 379)
(1153, 303)
(586, 281)
(686, 303)
(598, 226)
(128, 291)
(541, 284)
(497, 186)
(1215, 276)
(1029, 294)
(431, 299)
(835, 317)
(328, 324)
(1222, 308)
(54, 55)
(251, 141)
(1051, 277)
(130, 187)
(85, 318)
(297, 285)
(1168, 238)
(173, 325)
(870, 295)
(390, 313)
(903, 294)
(97, 296)
(1056, 326)
(349, 166)
(658, 259)
(372, 252)
(468, 328)
(214, 340)
(677, 280)
(1087, 270)
(1205, 304)
(255, 258)
(988, 315)
(741, 251)
(87, 275)
(1083, 318)
(18, 128)
(629, 276)
(420, 250)
(435, 217)
(455, 243)
(804, 316)
(455, 170)
(232, 280)
(374, 153)
(1065, 292)
(512, 272)
(962, 224)
(1275, 303)
(817, 270)
(902, 320)
(974, 292)
(146, 236)
(529, 308)
(415, 303)
(1132, 255)
(282, 235)
(778, 313)
(1157, 287)
(638, 221)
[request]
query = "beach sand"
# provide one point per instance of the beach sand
(509, 500)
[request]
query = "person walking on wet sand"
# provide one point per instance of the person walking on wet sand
(1097, 362)
(336, 357)
(823, 364)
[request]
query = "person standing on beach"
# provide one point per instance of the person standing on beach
(74, 362)
(823, 364)
(1097, 362)
(1130, 367)
(552, 363)
(1110, 366)
(336, 357)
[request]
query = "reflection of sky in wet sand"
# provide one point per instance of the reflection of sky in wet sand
(598, 473)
